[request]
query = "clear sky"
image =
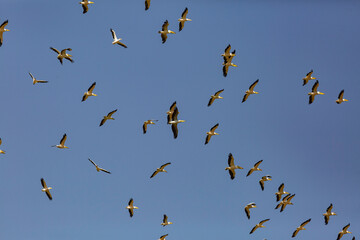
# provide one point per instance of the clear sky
(313, 149)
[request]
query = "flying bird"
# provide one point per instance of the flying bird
(99, 168)
(35, 80)
(89, 92)
(183, 19)
(250, 91)
(259, 225)
(146, 123)
(248, 207)
(85, 4)
(340, 97)
(314, 92)
(232, 166)
(63, 54)
(46, 189)
(62, 142)
(147, 4)
(2, 30)
(344, 231)
(282, 201)
(308, 77)
(170, 112)
(255, 168)
(264, 179)
(301, 227)
(328, 214)
(211, 133)
(160, 169)
(163, 237)
(227, 63)
(105, 118)
(215, 96)
(164, 31)
(116, 40)
(174, 122)
(286, 201)
(227, 54)
(165, 221)
(1, 151)
(131, 207)
(280, 192)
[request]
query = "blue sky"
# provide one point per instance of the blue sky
(312, 149)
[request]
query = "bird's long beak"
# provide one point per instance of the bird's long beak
(234, 65)
(216, 133)
(220, 97)
(49, 187)
(136, 207)
(66, 147)
(69, 55)
(7, 30)
(172, 32)
(91, 2)
(182, 121)
(256, 92)
(1, 151)
(94, 94)
(189, 19)
(345, 100)
(321, 93)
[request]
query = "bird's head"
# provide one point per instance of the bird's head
(170, 223)
(188, 19)
(66, 147)
(90, 2)
(136, 207)
(1, 151)
(49, 188)
(256, 92)
(220, 97)
(181, 120)
(216, 133)
(345, 100)
(172, 32)
(69, 55)
(94, 94)
(321, 93)
(234, 65)
(6, 30)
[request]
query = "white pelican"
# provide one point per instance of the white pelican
(163, 237)
(146, 123)
(164, 31)
(227, 53)
(259, 225)
(35, 80)
(328, 214)
(99, 168)
(170, 112)
(105, 118)
(46, 189)
(62, 142)
(211, 133)
(165, 221)
(131, 207)
(215, 96)
(340, 97)
(250, 91)
(247, 209)
(85, 4)
(183, 19)
(232, 166)
(116, 40)
(2, 30)
(160, 169)
(283, 201)
(174, 122)
(344, 231)
(264, 179)
(308, 77)
(147, 4)
(89, 92)
(301, 227)
(1, 151)
(255, 168)
(227, 62)
(286, 202)
(280, 192)
(314, 92)
(63, 54)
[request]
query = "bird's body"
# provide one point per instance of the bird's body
(232, 166)
(164, 31)
(314, 92)
(108, 117)
(341, 97)
(227, 54)
(146, 123)
(286, 201)
(280, 192)
(1, 151)
(63, 54)
(147, 4)
(116, 40)
(165, 221)
(343, 231)
(163, 237)
(259, 225)
(174, 122)
(215, 96)
(131, 207)
(227, 63)
(328, 214)
(160, 169)
(183, 19)
(99, 168)
(2, 30)
(247, 209)
(89, 92)
(250, 91)
(35, 80)
(170, 112)
(301, 227)
(264, 179)
(46, 189)
(255, 168)
(211, 133)
(84, 4)
(308, 77)
(62, 142)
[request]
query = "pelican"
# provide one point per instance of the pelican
(46, 189)
(62, 142)
(146, 123)
(314, 92)
(163, 237)
(183, 19)
(328, 214)
(280, 192)
(286, 202)
(105, 118)
(89, 92)
(99, 168)
(85, 4)
(1, 151)
(232, 166)
(227, 62)
(255, 168)
(301, 227)
(35, 80)
(264, 179)
(215, 96)
(160, 169)
(2, 30)
(250, 91)
(131, 207)
(340, 98)
(147, 4)
(174, 122)
(308, 77)
(116, 40)
(63, 54)
(344, 231)
(165, 221)
(164, 31)
(211, 133)
(227, 53)
(170, 112)
(259, 225)
(283, 201)
(247, 209)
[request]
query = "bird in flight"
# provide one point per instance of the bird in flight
(232, 166)
(285, 201)
(116, 40)
(174, 122)
(164, 31)
(107, 117)
(314, 92)
(35, 80)
(248, 207)
(328, 214)
(160, 169)
(183, 19)
(211, 133)
(215, 96)
(62, 142)
(131, 207)
(301, 227)
(308, 77)
(99, 168)
(63, 54)
(255, 168)
(343, 231)
(165, 221)
(341, 97)
(250, 91)
(264, 179)
(146, 123)
(163, 237)
(89, 92)
(259, 225)
(227, 54)
(280, 192)
(46, 189)
(170, 112)
(2, 30)
(227, 63)
(85, 6)
(147, 4)
(1, 151)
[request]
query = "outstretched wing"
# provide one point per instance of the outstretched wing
(62, 141)
(214, 127)
(251, 88)
(164, 165)
(111, 113)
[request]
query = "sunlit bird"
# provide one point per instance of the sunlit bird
(63, 54)
(344, 231)
(99, 168)
(255, 168)
(163, 237)
(341, 97)
(89, 92)
(131, 207)
(259, 225)
(84, 4)
(301, 227)
(248, 207)
(147, 4)
(1, 151)
(174, 122)
(283, 201)
(183, 19)
(215, 96)
(62, 142)
(328, 214)
(286, 201)
(146, 123)
(308, 77)
(2, 30)
(46, 189)
(280, 192)
(314, 92)
(232, 166)
(227, 63)
(264, 179)
(250, 91)
(170, 112)
(115, 39)
(227, 52)
(164, 31)
(107, 117)
(165, 221)
(211, 133)
(35, 80)
(160, 169)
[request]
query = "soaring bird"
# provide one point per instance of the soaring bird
(165, 221)
(160, 169)
(99, 168)
(286, 201)
(164, 31)
(227, 54)
(1, 151)
(283, 201)
(301, 227)
(89, 92)
(85, 4)
(340, 97)
(255, 168)
(105, 118)
(147, 4)
(131, 207)
(45, 188)
(250, 91)
(314, 92)
(215, 96)
(247, 209)
(264, 179)
(232, 166)
(171, 112)
(2, 30)
(146, 123)
(328, 214)
(62, 142)
(259, 225)
(174, 122)
(308, 77)
(183, 19)
(163, 237)
(280, 192)
(227, 63)
(63, 54)
(211, 133)
(116, 40)
(344, 231)
(35, 80)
